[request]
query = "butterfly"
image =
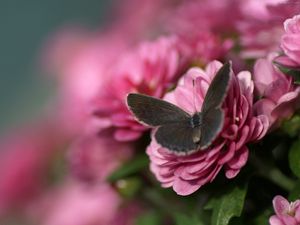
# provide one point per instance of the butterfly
(177, 130)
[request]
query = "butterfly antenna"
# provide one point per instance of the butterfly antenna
(194, 95)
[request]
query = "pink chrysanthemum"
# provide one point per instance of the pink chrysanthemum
(291, 39)
(205, 15)
(80, 61)
(25, 157)
(287, 213)
(151, 69)
(93, 157)
(74, 203)
(186, 174)
(208, 41)
(280, 97)
(261, 25)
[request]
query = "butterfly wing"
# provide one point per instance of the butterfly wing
(155, 112)
(212, 114)
(218, 88)
(178, 138)
(175, 131)
(212, 124)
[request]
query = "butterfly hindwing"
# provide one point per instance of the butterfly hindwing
(155, 112)
(212, 124)
(177, 137)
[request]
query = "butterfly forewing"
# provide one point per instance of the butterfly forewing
(212, 124)
(177, 137)
(155, 112)
(218, 88)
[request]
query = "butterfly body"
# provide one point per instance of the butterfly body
(196, 120)
(177, 130)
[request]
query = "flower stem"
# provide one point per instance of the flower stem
(280, 179)
(273, 174)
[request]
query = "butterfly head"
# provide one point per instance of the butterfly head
(196, 120)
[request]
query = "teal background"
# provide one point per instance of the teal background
(25, 25)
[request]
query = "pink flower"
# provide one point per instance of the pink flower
(151, 69)
(286, 62)
(291, 39)
(261, 25)
(186, 174)
(280, 98)
(204, 46)
(94, 157)
(25, 157)
(286, 213)
(80, 60)
(260, 8)
(203, 16)
(128, 213)
(74, 203)
(207, 41)
(140, 19)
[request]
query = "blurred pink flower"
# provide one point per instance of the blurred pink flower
(204, 46)
(286, 62)
(25, 156)
(87, 63)
(291, 39)
(260, 8)
(280, 97)
(128, 213)
(261, 25)
(203, 15)
(94, 157)
(210, 40)
(286, 213)
(186, 174)
(74, 203)
(150, 69)
(132, 20)
(80, 60)
(140, 19)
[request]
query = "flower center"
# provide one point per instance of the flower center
(291, 210)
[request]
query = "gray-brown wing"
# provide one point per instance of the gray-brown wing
(155, 112)
(218, 88)
(212, 125)
(178, 138)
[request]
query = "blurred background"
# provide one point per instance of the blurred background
(70, 151)
(25, 27)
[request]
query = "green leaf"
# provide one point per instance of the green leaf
(295, 193)
(294, 158)
(182, 219)
(128, 187)
(293, 72)
(236, 221)
(129, 168)
(292, 126)
(211, 203)
(148, 218)
(228, 205)
(263, 217)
